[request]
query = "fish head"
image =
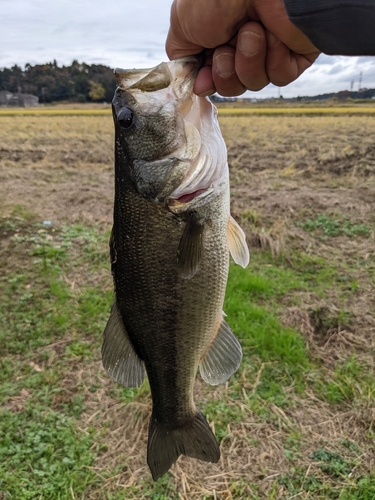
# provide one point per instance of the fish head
(168, 141)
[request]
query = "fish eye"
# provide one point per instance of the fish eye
(125, 118)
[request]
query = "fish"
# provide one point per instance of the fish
(170, 243)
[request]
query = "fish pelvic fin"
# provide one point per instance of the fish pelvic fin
(190, 249)
(119, 358)
(237, 243)
(222, 358)
(194, 439)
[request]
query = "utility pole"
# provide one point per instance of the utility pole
(360, 82)
(351, 85)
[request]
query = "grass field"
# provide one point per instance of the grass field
(297, 421)
(224, 110)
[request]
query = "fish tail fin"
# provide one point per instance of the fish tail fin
(194, 439)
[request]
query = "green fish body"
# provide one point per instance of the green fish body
(170, 245)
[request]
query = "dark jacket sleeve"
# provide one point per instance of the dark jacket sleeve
(340, 27)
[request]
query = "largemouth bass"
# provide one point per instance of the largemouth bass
(170, 244)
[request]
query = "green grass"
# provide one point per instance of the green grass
(43, 453)
(297, 483)
(351, 381)
(41, 446)
(56, 290)
(38, 304)
(331, 227)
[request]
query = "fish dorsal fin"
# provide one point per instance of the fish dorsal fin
(223, 357)
(190, 248)
(119, 359)
(237, 243)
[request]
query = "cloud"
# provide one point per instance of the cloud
(368, 59)
(336, 68)
(132, 34)
(324, 59)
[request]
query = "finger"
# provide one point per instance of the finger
(250, 60)
(177, 45)
(204, 84)
(224, 75)
(283, 65)
(304, 61)
(273, 16)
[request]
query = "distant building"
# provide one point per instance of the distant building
(18, 100)
(5, 97)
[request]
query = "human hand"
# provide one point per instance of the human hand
(246, 44)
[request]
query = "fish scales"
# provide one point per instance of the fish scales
(170, 245)
(172, 308)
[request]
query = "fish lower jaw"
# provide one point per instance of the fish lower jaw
(180, 203)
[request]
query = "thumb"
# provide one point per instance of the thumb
(177, 45)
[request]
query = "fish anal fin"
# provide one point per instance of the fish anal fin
(165, 444)
(237, 243)
(190, 248)
(119, 359)
(222, 358)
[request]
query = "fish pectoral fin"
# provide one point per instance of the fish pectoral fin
(237, 243)
(119, 358)
(165, 444)
(222, 358)
(190, 248)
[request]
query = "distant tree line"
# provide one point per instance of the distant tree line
(344, 94)
(79, 82)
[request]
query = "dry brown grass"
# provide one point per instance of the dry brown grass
(57, 167)
(283, 169)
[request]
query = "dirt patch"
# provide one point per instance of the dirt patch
(328, 340)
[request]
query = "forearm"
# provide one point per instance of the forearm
(339, 27)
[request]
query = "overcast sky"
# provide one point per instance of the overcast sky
(131, 34)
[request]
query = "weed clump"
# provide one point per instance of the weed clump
(335, 227)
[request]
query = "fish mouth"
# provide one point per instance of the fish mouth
(204, 151)
(189, 198)
(185, 198)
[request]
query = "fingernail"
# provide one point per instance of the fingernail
(225, 64)
(250, 43)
